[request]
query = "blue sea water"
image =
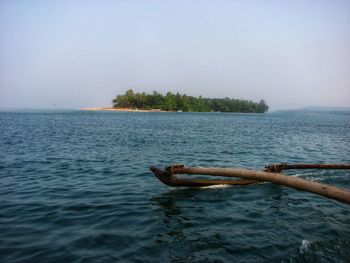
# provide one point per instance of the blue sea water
(75, 187)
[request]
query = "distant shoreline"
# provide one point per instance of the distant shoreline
(121, 109)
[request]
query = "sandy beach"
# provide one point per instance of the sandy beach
(121, 109)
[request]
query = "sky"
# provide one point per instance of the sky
(73, 54)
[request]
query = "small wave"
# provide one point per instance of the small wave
(202, 187)
(317, 177)
(217, 186)
(322, 251)
(305, 245)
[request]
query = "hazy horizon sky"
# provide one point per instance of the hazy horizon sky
(77, 54)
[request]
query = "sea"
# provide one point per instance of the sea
(75, 186)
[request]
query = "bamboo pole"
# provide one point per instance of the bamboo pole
(277, 168)
(276, 178)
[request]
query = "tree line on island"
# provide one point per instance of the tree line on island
(182, 102)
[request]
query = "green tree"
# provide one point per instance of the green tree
(171, 102)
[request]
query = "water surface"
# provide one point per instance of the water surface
(75, 187)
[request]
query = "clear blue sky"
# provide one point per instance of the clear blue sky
(83, 53)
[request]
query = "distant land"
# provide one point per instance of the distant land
(317, 109)
(308, 109)
(181, 102)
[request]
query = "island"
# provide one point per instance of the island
(180, 102)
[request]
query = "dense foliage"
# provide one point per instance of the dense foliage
(179, 102)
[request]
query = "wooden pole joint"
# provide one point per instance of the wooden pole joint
(174, 168)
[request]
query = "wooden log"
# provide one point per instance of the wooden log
(277, 168)
(171, 180)
(328, 191)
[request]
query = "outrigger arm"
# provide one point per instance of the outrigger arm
(252, 176)
(170, 179)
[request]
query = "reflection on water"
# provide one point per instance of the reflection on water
(181, 228)
(172, 221)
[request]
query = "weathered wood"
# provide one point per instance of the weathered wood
(276, 178)
(277, 168)
(171, 180)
